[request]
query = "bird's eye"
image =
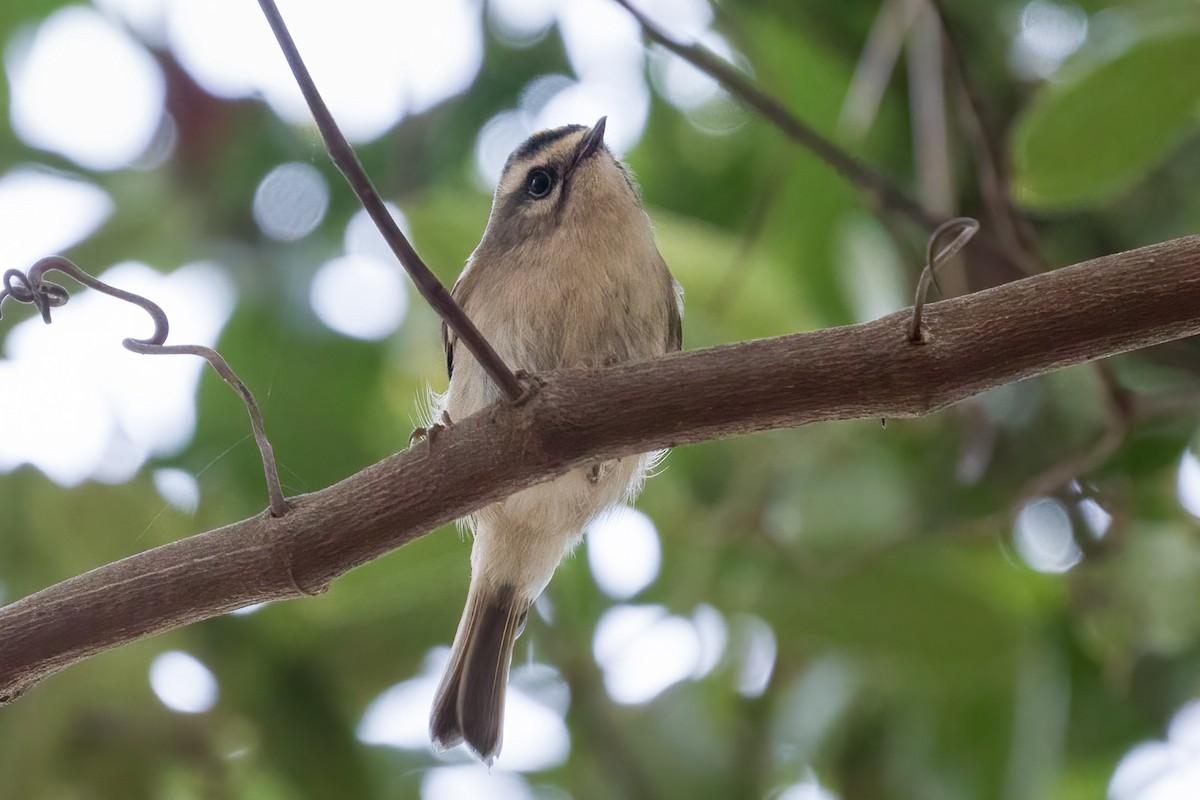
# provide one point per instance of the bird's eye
(539, 183)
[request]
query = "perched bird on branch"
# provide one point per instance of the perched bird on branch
(567, 275)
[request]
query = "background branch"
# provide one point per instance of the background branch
(744, 89)
(975, 342)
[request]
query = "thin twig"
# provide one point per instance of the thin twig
(934, 258)
(34, 289)
(347, 162)
(741, 87)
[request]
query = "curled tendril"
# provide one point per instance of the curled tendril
(965, 228)
(35, 290)
(42, 295)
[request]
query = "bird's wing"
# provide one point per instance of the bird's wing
(460, 293)
(675, 317)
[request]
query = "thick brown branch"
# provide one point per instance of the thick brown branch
(1070, 316)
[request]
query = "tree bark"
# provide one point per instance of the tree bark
(1076, 314)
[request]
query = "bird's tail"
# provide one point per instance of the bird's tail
(469, 704)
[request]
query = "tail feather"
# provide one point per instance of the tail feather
(469, 704)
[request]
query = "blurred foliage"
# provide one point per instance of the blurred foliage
(1156, 82)
(917, 654)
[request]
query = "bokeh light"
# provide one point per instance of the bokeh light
(373, 60)
(43, 212)
(473, 780)
(1187, 483)
(179, 488)
(713, 634)
(643, 651)
(290, 201)
(362, 237)
(535, 733)
(1043, 536)
(808, 789)
(359, 296)
(1163, 770)
(1049, 33)
(182, 682)
(246, 611)
(83, 88)
(758, 650)
(623, 552)
(519, 23)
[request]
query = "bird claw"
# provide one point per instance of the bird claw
(430, 433)
(530, 384)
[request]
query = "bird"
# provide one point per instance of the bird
(567, 274)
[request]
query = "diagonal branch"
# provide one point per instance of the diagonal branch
(743, 88)
(877, 186)
(344, 158)
(1070, 316)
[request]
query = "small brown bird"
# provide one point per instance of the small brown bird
(567, 274)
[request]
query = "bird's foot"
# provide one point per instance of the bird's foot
(530, 384)
(430, 433)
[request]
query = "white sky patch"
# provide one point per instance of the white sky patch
(1043, 538)
(179, 488)
(535, 733)
(364, 239)
(1163, 770)
(359, 296)
(182, 682)
(291, 201)
(1049, 33)
(137, 406)
(42, 213)
(643, 651)
(758, 649)
(373, 60)
(85, 89)
(623, 552)
(473, 780)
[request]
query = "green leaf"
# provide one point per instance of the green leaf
(1086, 141)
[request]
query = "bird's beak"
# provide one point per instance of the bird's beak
(592, 141)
